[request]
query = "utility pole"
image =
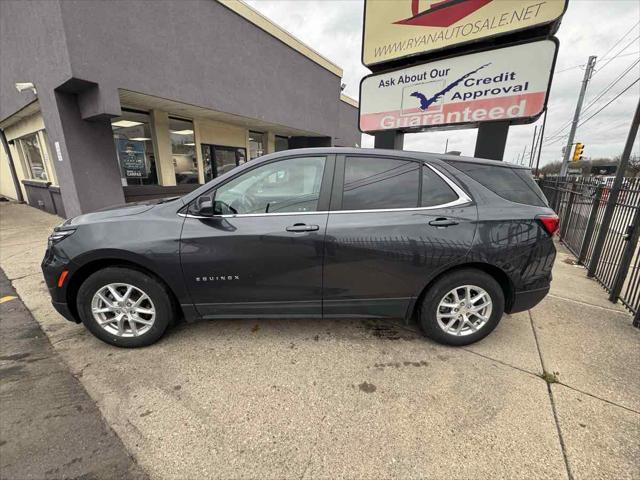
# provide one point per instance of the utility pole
(576, 118)
(533, 146)
(544, 124)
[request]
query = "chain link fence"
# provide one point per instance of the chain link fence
(601, 226)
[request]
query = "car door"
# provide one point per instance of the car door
(393, 224)
(253, 246)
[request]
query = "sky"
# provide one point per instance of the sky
(589, 27)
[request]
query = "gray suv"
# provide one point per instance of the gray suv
(330, 232)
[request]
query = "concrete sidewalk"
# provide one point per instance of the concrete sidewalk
(360, 399)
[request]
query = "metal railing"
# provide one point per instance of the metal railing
(601, 228)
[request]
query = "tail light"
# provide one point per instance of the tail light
(550, 223)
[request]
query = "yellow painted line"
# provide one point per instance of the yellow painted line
(7, 298)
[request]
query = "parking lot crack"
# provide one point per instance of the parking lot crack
(500, 362)
(553, 403)
(313, 447)
(614, 404)
(586, 304)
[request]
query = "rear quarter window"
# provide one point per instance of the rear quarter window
(514, 184)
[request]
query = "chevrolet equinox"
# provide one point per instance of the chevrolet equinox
(326, 232)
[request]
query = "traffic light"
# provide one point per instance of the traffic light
(577, 152)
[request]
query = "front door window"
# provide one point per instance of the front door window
(285, 186)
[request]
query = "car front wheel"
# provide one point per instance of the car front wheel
(124, 307)
(462, 307)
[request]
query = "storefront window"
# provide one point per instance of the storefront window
(134, 147)
(282, 143)
(256, 145)
(183, 150)
(32, 156)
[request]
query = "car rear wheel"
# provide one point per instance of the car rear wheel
(125, 307)
(462, 307)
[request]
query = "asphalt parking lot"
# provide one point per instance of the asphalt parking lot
(359, 399)
(50, 427)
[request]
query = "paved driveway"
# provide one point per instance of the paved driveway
(360, 399)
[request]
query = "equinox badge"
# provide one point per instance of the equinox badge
(218, 278)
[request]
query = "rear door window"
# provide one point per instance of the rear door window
(380, 183)
(514, 184)
(435, 191)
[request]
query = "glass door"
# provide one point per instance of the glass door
(218, 159)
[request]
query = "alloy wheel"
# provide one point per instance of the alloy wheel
(123, 310)
(464, 310)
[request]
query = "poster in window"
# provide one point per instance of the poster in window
(132, 158)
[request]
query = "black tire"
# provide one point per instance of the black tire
(156, 291)
(444, 285)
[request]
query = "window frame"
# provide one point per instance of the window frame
(194, 146)
(27, 166)
(338, 190)
(150, 122)
(324, 198)
(539, 195)
(263, 142)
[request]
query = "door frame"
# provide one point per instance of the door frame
(267, 309)
(212, 153)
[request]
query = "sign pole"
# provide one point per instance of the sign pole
(392, 139)
(576, 117)
(492, 140)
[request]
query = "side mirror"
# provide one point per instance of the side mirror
(207, 207)
(221, 208)
(203, 207)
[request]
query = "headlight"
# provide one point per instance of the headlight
(59, 235)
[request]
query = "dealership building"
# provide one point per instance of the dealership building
(103, 103)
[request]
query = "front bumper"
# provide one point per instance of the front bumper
(52, 266)
(63, 309)
(527, 299)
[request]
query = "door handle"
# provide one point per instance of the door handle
(301, 227)
(442, 222)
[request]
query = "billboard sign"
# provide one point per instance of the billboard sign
(395, 29)
(510, 83)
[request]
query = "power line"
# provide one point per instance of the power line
(616, 56)
(556, 140)
(619, 40)
(551, 139)
(611, 85)
(555, 134)
(555, 137)
(582, 65)
(609, 102)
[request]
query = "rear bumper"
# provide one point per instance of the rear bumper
(527, 299)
